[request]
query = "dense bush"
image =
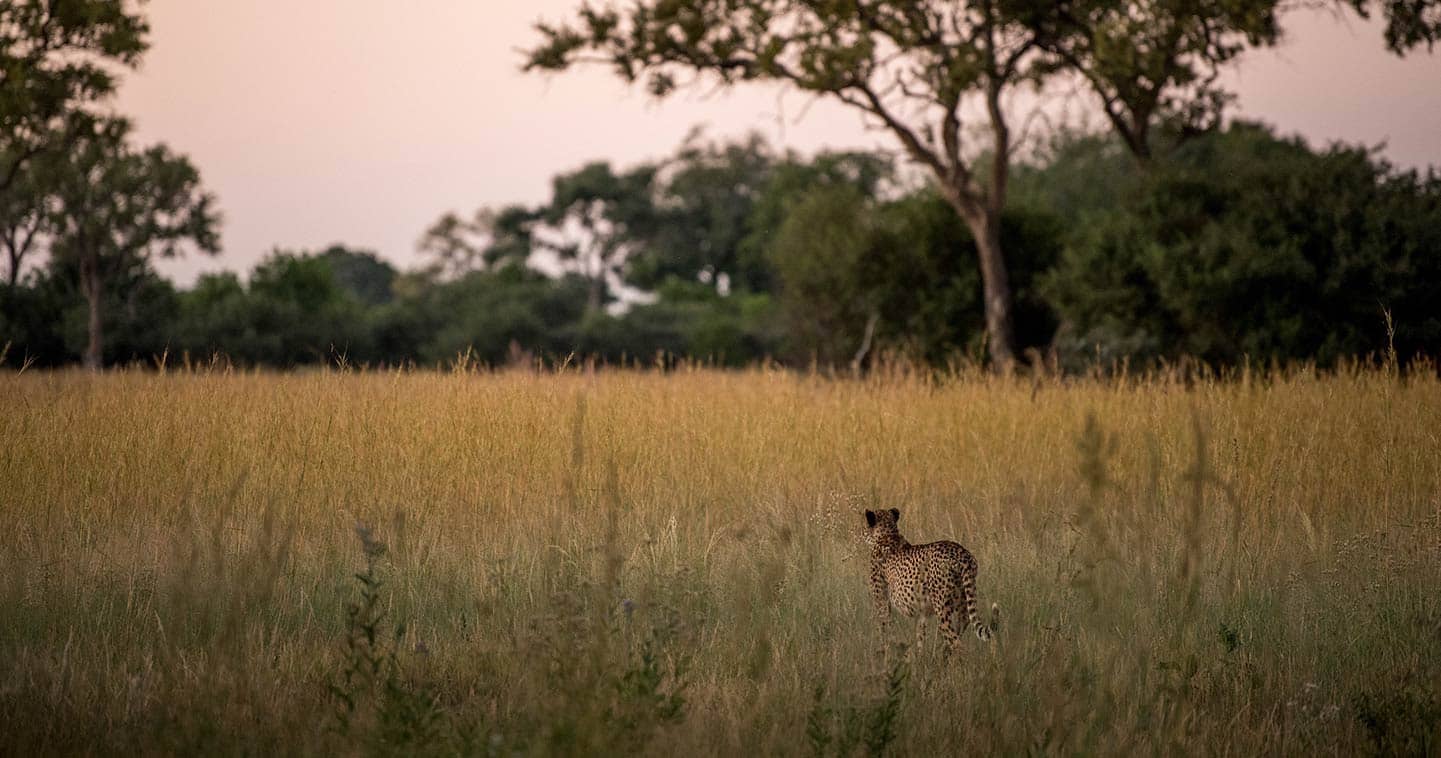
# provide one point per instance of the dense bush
(1243, 246)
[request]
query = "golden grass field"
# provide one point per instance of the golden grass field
(628, 562)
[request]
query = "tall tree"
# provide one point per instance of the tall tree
(910, 65)
(593, 221)
(56, 58)
(118, 207)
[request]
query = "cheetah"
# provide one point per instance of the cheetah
(938, 578)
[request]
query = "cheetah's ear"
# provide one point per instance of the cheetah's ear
(895, 514)
(870, 518)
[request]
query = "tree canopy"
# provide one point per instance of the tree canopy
(56, 60)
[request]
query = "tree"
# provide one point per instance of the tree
(593, 221)
(456, 243)
(814, 225)
(216, 319)
(909, 65)
(361, 273)
(141, 310)
(459, 246)
(24, 213)
(704, 197)
(301, 313)
(819, 252)
(55, 59)
(789, 181)
(116, 208)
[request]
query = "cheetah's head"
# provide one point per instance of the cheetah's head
(881, 527)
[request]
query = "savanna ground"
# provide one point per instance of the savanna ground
(625, 562)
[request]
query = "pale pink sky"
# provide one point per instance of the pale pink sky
(361, 121)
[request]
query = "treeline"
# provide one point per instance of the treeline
(1168, 238)
(1237, 246)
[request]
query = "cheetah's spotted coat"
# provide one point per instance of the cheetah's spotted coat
(938, 578)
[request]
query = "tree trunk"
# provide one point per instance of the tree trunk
(866, 340)
(996, 301)
(597, 292)
(94, 291)
(996, 291)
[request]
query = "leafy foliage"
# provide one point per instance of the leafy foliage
(294, 312)
(1246, 246)
(840, 730)
(590, 224)
(367, 277)
(25, 216)
(1409, 23)
(57, 59)
(1156, 66)
(374, 703)
(705, 198)
(843, 259)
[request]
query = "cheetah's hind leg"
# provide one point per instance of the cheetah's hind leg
(947, 611)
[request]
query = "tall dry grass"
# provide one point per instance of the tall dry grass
(669, 564)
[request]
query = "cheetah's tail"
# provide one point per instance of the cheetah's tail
(983, 631)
